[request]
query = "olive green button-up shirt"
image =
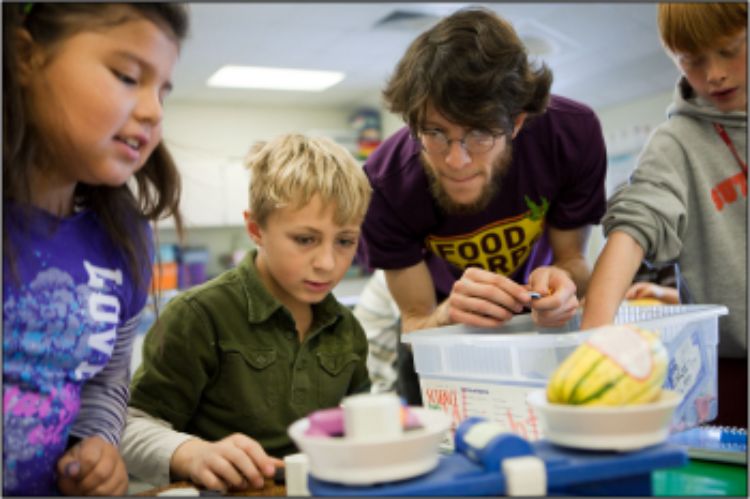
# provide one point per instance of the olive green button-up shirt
(224, 357)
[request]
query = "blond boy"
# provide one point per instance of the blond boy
(232, 363)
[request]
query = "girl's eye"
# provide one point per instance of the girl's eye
(128, 80)
(347, 243)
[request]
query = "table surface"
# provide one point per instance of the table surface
(270, 489)
(698, 478)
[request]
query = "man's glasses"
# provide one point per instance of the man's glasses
(474, 142)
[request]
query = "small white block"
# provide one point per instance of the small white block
(180, 492)
(295, 474)
(524, 476)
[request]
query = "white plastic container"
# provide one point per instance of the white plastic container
(366, 461)
(606, 427)
(483, 372)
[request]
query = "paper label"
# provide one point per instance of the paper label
(687, 366)
(626, 348)
(504, 405)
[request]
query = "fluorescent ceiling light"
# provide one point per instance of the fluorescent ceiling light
(274, 78)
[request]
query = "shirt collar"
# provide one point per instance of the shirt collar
(261, 304)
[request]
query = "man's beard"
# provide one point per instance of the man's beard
(451, 207)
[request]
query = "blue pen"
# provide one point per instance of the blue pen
(534, 295)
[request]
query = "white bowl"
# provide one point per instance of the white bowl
(618, 428)
(354, 461)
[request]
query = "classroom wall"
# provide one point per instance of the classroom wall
(220, 132)
(209, 143)
(210, 137)
(626, 129)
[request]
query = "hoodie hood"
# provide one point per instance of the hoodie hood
(687, 103)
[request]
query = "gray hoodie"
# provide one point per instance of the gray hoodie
(687, 201)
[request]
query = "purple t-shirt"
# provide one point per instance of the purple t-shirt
(556, 177)
(63, 319)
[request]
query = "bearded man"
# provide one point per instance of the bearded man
(488, 193)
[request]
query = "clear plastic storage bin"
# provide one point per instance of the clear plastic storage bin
(483, 372)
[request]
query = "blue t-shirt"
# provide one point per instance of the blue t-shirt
(556, 177)
(69, 312)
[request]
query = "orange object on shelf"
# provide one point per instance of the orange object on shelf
(165, 277)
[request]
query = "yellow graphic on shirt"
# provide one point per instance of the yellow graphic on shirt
(501, 247)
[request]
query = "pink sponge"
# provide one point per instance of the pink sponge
(330, 422)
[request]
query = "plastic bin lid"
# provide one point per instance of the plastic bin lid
(521, 329)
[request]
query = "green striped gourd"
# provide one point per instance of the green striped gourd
(617, 365)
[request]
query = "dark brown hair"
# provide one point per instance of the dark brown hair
(694, 27)
(157, 183)
(473, 68)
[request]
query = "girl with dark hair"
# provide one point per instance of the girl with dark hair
(84, 171)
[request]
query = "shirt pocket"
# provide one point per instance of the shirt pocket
(334, 376)
(249, 379)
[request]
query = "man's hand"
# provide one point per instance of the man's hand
(485, 299)
(558, 303)
(235, 462)
(92, 467)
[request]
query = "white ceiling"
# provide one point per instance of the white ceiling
(603, 54)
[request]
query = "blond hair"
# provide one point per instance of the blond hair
(291, 169)
(694, 27)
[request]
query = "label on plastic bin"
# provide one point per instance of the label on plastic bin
(686, 366)
(502, 404)
(689, 374)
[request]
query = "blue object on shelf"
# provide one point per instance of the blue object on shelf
(478, 472)
(192, 268)
(168, 253)
(714, 443)
(734, 436)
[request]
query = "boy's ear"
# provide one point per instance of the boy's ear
(518, 123)
(252, 227)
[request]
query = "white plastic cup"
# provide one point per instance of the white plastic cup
(372, 416)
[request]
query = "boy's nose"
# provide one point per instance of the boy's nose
(716, 72)
(325, 259)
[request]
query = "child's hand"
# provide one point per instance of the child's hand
(235, 462)
(92, 467)
(665, 294)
